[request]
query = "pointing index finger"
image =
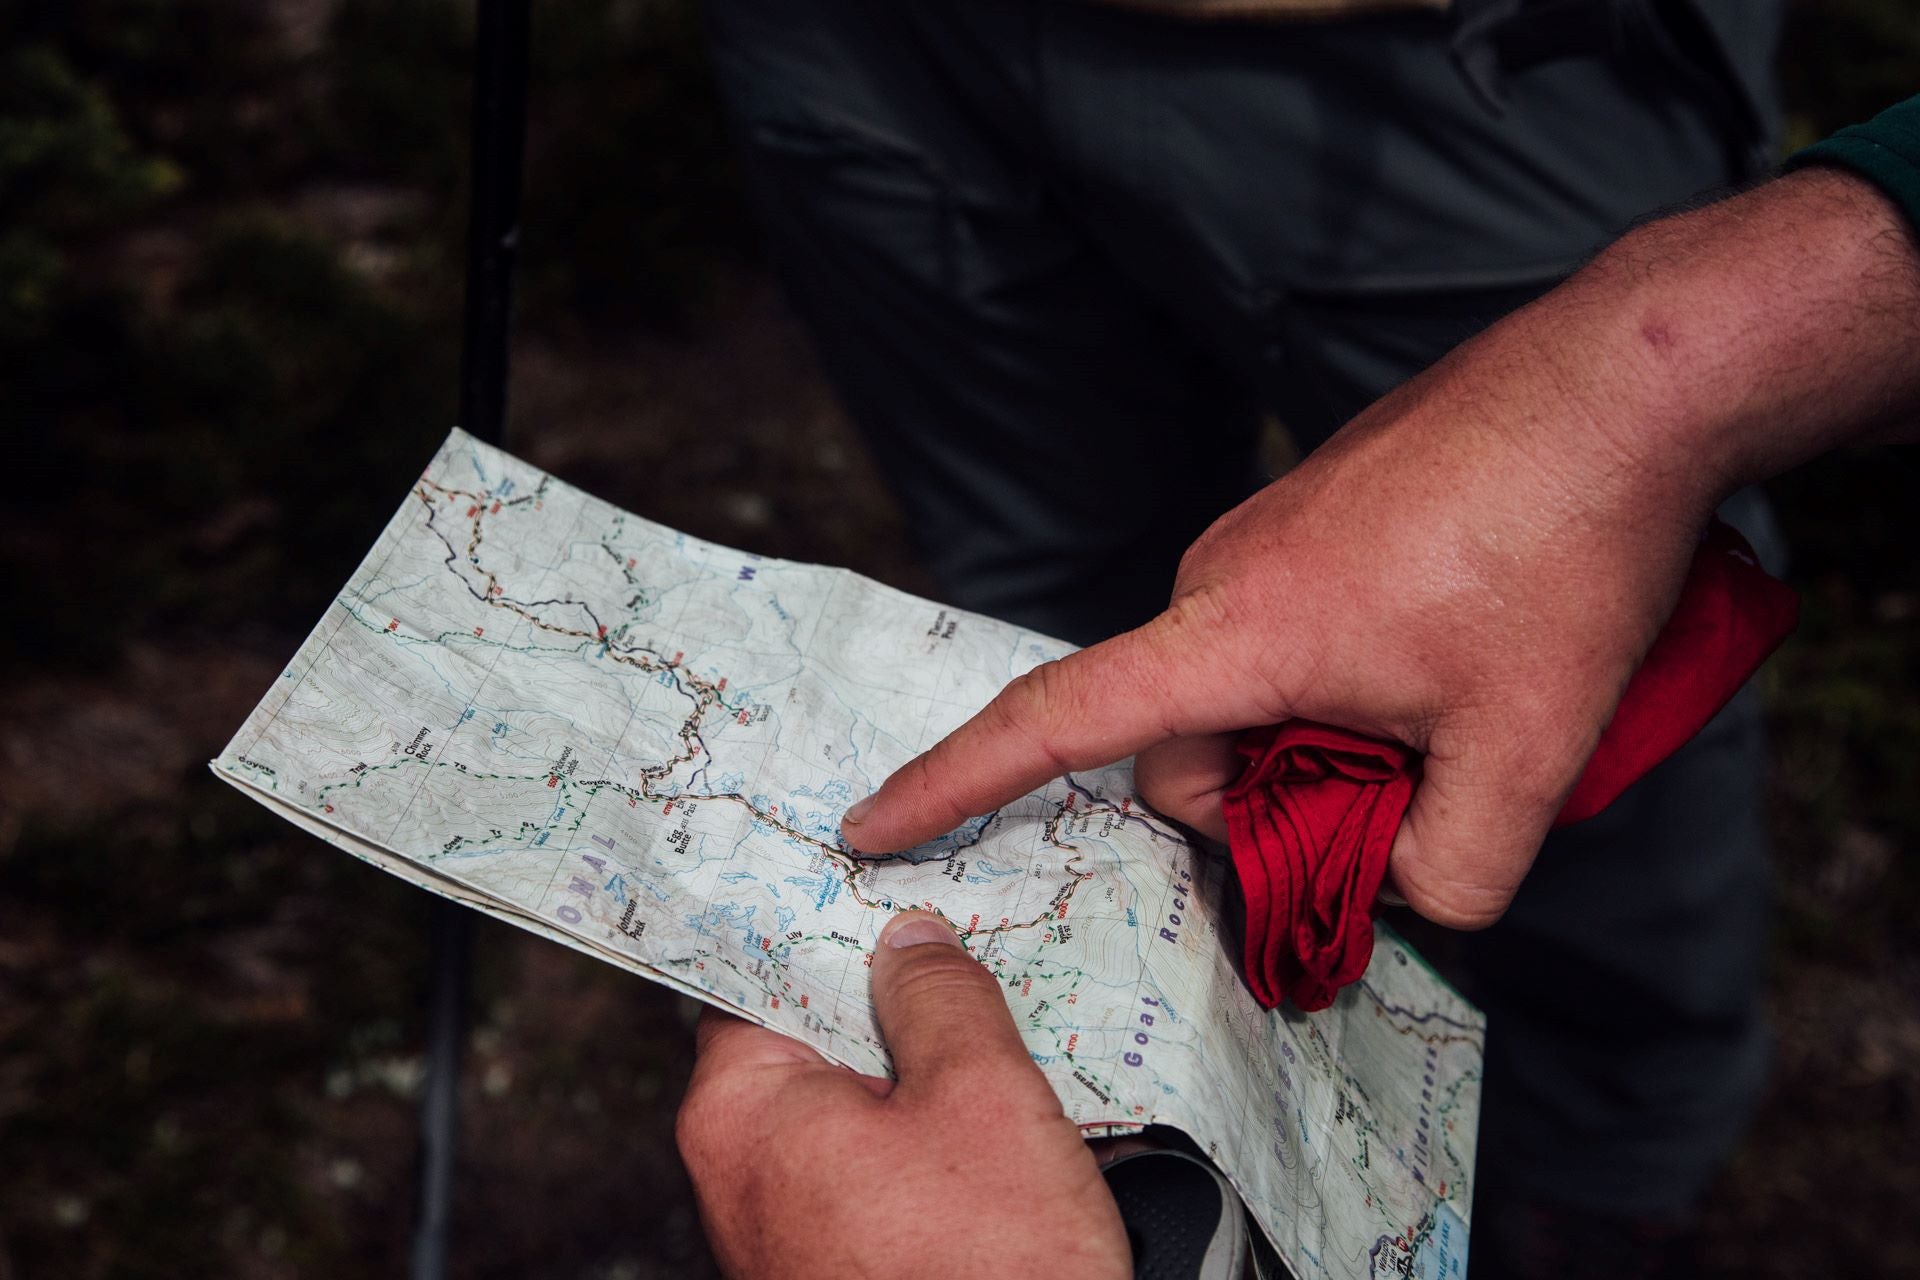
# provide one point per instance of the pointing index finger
(1086, 710)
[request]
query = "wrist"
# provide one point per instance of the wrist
(1603, 395)
(1745, 337)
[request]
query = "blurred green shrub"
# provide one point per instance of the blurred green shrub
(212, 84)
(68, 171)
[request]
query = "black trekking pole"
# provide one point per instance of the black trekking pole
(498, 140)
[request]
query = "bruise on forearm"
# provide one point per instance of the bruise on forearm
(1765, 329)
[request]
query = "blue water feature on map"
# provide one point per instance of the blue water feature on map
(824, 888)
(939, 850)
(732, 917)
(1443, 1253)
(980, 871)
(838, 791)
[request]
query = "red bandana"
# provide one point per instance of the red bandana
(1312, 819)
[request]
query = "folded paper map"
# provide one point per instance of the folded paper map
(640, 745)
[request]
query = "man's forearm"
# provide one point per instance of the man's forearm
(1758, 332)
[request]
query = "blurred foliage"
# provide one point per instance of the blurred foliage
(1844, 702)
(230, 247)
(68, 170)
(211, 84)
(136, 1075)
(178, 316)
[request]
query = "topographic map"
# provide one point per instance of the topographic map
(640, 745)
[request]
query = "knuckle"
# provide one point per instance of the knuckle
(1193, 561)
(1032, 707)
(1205, 610)
(1210, 547)
(1218, 627)
(1030, 698)
(695, 1130)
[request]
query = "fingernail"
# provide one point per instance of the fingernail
(914, 928)
(857, 812)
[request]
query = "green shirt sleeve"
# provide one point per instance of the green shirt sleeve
(1885, 151)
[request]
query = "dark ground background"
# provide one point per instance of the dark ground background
(229, 297)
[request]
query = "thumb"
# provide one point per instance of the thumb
(1477, 820)
(945, 1018)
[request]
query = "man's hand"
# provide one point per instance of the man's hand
(1476, 565)
(964, 1165)
(1456, 570)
